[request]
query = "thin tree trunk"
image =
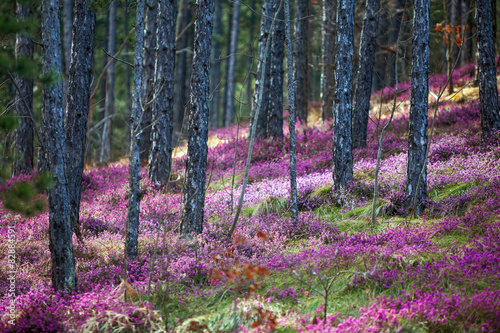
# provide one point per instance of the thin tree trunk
(396, 21)
(23, 137)
(275, 113)
(148, 78)
(105, 153)
(449, 43)
(301, 58)
(488, 92)
(328, 58)
(216, 66)
(417, 137)
(77, 106)
(131, 241)
(251, 49)
(381, 57)
(196, 164)
(161, 150)
(228, 52)
(232, 64)
(466, 32)
(342, 109)
(363, 90)
(60, 235)
(67, 33)
(126, 57)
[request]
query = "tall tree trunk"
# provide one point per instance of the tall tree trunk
(126, 57)
(148, 78)
(488, 93)
(161, 150)
(363, 90)
(67, 33)
(275, 113)
(381, 57)
(196, 164)
(301, 58)
(23, 138)
(77, 106)
(449, 43)
(228, 52)
(216, 66)
(60, 235)
(494, 21)
(396, 21)
(465, 54)
(250, 51)
(131, 241)
(328, 58)
(342, 109)
(417, 137)
(232, 64)
(105, 153)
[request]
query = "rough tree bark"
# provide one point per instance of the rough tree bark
(161, 150)
(134, 200)
(216, 66)
(328, 58)
(148, 77)
(60, 235)
(301, 58)
(342, 109)
(196, 164)
(363, 91)
(105, 153)
(23, 137)
(417, 137)
(77, 105)
(488, 93)
(126, 57)
(232, 64)
(67, 33)
(275, 113)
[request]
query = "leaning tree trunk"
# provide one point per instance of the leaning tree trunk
(301, 58)
(216, 66)
(275, 113)
(488, 93)
(148, 77)
(161, 150)
(196, 164)
(363, 91)
(328, 59)
(417, 137)
(77, 106)
(132, 233)
(60, 235)
(105, 153)
(23, 138)
(342, 109)
(232, 64)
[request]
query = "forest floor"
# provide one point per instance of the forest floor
(439, 272)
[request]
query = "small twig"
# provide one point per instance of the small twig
(117, 59)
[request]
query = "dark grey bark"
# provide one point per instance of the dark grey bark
(60, 235)
(161, 149)
(301, 58)
(488, 93)
(78, 106)
(196, 164)
(228, 52)
(131, 241)
(216, 66)
(363, 91)
(265, 27)
(342, 109)
(23, 137)
(126, 57)
(67, 33)
(417, 137)
(148, 78)
(466, 18)
(105, 153)
(232, 64)
(275, 113)
(328, 58)
(381, 57)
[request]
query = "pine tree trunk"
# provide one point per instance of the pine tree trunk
(488, 93)
(196, 164)
(105, 153)
(126, 57)
(131, 241)
(232, 64)
(148, 77)
(417, 137)
(301, 58)
(465, 54)
(328, 58)
(381, 57)
(67, 33)
(60, 235)
(161, 150)
(363, 90)
(275, 113)
(250, 51)
(228, 52)
(216, 66)
(23, 137)
(342, 109)
(77, 106)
